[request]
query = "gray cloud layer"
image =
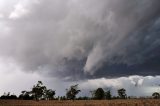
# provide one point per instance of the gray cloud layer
(79, 39)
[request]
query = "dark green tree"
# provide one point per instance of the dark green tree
(26, 95)
(38, 91)
(99, 94)
(108, 95)
(8, 96)
(49, 94)
(122, 93)
(72, 92)
(156, 95)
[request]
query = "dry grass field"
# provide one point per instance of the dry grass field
(136, 102)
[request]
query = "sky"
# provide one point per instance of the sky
(108, 43)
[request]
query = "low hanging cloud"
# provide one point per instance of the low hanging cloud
(134, 85)
(83, 39)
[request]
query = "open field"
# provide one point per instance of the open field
(133, 102)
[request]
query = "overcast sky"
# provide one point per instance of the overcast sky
(108, 43)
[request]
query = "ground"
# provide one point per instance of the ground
(131, 102)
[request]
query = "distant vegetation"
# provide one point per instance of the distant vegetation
(40, 92)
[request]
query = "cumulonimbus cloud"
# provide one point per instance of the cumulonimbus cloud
(90, 38)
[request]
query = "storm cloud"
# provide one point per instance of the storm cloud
(77, 39)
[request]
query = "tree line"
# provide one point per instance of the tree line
(40, 92)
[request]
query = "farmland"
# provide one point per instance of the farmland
(130, 102)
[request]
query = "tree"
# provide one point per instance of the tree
(122, 93)
(8, 96)
(5, 95)
(99, 94)
(38, 91)
(108, 95)
(12, 96)
(49, 94)
(26, 95)
(83, 98)
(72, 92)
(156, 95)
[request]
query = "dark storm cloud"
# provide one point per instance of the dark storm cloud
(77, 39)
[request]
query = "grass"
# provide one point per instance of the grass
(131, 102)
